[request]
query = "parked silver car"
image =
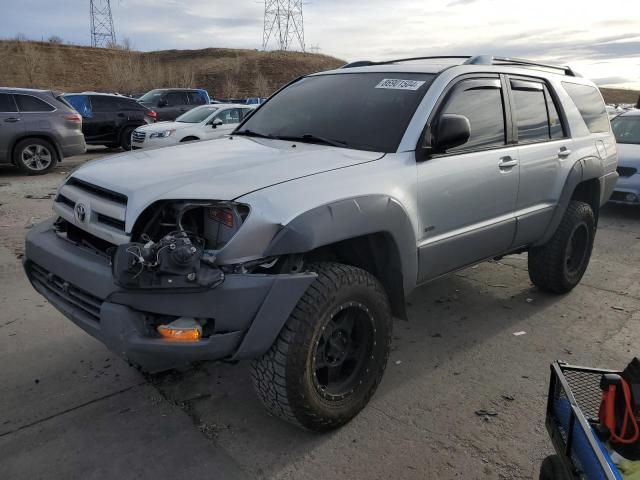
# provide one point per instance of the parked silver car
(37, 129)
(626, 128)
(295, 240)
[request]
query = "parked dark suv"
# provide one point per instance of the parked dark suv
(170, 103)
(109, 119)
(37, 129)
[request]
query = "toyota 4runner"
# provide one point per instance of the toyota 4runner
(295, 240)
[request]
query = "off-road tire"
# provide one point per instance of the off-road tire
(553, 469)
(549, 266)
(19, 159)
(284, 377)
(125, 137)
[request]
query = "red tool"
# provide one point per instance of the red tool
(611, 384)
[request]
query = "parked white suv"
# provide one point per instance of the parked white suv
(206, 122)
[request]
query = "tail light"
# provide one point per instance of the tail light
(152, 115)
(73, 117)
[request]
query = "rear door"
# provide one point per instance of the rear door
(542, 149)
(11, 125)
(102, 127)
(176, 103)
(467, 195)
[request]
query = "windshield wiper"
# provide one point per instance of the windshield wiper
(251, 133)
(314, 138)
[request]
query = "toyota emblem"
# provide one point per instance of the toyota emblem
(81, 212)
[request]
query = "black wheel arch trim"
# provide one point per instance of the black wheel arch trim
(351, 218)
(587, 168)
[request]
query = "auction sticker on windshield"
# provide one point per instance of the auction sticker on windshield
(398, 84)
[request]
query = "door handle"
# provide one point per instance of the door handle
(564, 152)
(507, 162)
(11, 120)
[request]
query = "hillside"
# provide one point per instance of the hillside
(223, 72)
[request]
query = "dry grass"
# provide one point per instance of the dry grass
(223, 72)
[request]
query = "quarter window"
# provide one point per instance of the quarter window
(196, 98)
(28, 103)
(590, 105)
(481, 102)
(6, 103)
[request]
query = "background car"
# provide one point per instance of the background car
(202, 123)
(170, 103)
(37, 129)
(109, 119)
(626, 128)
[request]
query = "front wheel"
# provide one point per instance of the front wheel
(330, 356)
(558, 265)
(125, 138)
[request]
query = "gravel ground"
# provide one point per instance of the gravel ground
(456, 354)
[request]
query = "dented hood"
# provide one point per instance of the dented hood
(222, 169)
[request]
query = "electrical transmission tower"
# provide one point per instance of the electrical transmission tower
(283, 23)
(102, 32)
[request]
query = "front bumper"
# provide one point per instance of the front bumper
(248, 311)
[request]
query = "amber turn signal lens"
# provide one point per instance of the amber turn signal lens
(179, 334)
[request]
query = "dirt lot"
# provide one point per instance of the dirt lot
(69, 409)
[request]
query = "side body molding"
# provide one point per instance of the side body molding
(351, 218)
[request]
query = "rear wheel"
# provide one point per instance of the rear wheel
(35, 156)
(125, 138)
(559, 265)
(330, 356)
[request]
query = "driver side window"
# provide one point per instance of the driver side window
(480, 100)
(232, 115)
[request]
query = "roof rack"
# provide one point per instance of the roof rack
(473, 60)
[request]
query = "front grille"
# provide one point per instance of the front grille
(112, 222)
(98, 191)
(65, 293)
(138, 137)
(627, 171)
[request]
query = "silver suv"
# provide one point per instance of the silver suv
(38, 128)
(295, 240)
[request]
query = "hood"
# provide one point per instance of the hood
(629, 155)
(222, 169)
(162, 126)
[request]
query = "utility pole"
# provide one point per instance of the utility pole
(283, 24)
(102, 31)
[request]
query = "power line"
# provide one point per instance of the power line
(283, 24)
(102, 31)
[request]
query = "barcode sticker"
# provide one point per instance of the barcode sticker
(398, 84)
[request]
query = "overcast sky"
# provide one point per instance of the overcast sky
(599, 39)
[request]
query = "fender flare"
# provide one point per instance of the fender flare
(587, 168)
(350, 218)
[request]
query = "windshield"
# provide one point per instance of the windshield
(197, 115)
(366, 111)
(150, 96)
(626, 129)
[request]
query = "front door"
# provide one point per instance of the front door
(230, 119)
(467, 195)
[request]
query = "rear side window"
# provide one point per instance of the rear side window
(28, 103)
(6, 103)
(196, 98)
(536, 116)
(81, 104)
(590, 105)
(102, 103)
(128, 104)
(481, 102)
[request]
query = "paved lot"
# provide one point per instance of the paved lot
(69, 409)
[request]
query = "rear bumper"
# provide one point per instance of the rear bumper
(248, 311)
(73, 145)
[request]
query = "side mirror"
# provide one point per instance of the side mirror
(450, 131)
(217, 122)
